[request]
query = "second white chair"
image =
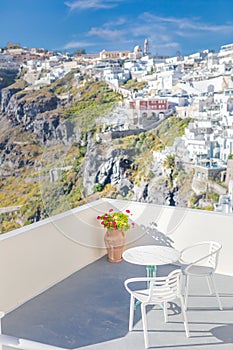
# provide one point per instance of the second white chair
(204, 259)
(160, 291)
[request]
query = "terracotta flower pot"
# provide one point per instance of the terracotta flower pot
(115, 242)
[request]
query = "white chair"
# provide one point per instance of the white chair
(160, 291)
(204, 262)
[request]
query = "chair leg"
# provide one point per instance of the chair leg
(131, 312)
(209, 286)
(184, 316)
(184, 281)
(165, 311)
(144, 324)
(186, 293)
(216, 293)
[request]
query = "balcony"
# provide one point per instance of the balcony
(59, 291)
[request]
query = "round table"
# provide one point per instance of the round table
(151, 256)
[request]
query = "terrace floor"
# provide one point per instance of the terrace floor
(90, 309)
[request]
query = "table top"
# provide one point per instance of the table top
(151, 255)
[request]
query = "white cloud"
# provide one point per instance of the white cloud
(186, 23)
(107, 34)
(117, 22)
(77, 45)
(91, 4)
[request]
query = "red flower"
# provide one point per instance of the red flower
(115, 220)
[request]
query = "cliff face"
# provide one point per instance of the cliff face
(23, 110)
(106, 165)
(32, 122)
(6, 95)
(37, 114)
(7, 77)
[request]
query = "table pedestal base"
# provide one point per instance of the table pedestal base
(151, 270)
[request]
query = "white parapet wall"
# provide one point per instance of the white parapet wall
(182, 227)
(37, 256)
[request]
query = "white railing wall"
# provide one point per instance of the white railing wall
(36, 257)
(183, 227)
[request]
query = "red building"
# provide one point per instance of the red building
(145, 112)
(149, 105)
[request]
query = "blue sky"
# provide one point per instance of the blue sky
(170, 25)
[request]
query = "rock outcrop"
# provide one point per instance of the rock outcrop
(6, 95)
(106, 165)
(38, 114)
(22, 109)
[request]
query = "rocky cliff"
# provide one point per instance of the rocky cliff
(34, 124)
(119, 167)
(36, 113)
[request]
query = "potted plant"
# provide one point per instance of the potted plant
(117, 224)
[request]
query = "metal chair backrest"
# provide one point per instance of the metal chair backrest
(214, 251)
(165, 288)
(208, 254)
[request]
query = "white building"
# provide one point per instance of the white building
(225, 54)
(226, 144)
(116, 74)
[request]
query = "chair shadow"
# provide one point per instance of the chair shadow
(223, 333)
(159, 237)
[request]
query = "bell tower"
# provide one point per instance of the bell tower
(146, 47)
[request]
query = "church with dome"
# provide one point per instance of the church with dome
(119, 55)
